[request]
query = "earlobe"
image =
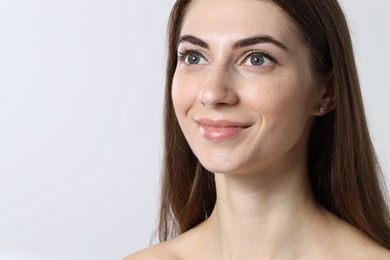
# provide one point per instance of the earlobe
(323, 109)
(326, 96)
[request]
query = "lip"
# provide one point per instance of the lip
(220, 130)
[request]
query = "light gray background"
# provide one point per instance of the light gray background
(81, 85)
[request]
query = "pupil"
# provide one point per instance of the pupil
(257, 60)
(193, 59)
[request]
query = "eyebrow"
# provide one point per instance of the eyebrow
(237, 45)
(259, 39)
(194, 40)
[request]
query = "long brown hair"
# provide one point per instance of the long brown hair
(342, 165)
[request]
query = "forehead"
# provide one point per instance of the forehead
(237, 18)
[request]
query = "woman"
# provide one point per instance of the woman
(267, 152)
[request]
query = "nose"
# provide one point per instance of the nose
(218, 89)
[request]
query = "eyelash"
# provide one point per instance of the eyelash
(263, 53)
(185, 52)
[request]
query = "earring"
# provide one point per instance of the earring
(323, 109)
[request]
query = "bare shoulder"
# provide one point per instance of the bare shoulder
(161, 251)
(381, 254)
(370, 250)
(353, 244)
(186, 246)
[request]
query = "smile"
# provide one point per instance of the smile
(220, 130)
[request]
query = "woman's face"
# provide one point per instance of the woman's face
(243, 90)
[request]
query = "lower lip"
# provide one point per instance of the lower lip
(219, 134)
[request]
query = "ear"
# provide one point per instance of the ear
(325, 96)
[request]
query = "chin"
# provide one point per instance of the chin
(220, 166)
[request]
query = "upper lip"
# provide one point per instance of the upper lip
(222, 123)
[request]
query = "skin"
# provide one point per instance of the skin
(265, 208)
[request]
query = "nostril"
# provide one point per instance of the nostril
(218, 89)
(217, 97)
(212, 96)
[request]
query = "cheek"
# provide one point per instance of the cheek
(272, 99)
(183, 95)
(178, 94)
(284, 106)
(286, 95)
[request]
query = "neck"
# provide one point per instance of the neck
(272, 213)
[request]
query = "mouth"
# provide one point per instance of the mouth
(220, 130)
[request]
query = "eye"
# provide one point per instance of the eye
(258, 59)
(191, 57)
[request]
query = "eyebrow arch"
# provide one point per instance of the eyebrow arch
(239, 44)
(194, 40)
(259, 39)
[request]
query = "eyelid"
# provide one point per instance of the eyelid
(183, 54)
(262, 52)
